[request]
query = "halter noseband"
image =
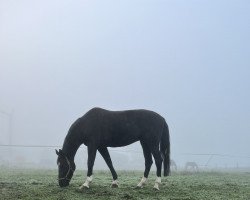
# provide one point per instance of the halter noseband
(70, 169)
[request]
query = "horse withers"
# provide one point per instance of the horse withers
(100, 128)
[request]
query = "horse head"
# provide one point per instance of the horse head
(66, 168)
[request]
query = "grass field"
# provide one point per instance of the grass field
(42, 184)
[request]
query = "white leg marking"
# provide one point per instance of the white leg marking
(142, 182)
(157, 183)
(87, 182)
(114, 184)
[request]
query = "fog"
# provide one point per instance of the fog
(187, 60)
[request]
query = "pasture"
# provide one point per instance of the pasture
(42, 184)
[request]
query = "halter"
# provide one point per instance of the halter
(70, 169)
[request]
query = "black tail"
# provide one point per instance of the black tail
(165, 149)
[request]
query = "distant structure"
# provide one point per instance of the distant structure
(191, 166)
(173, 165)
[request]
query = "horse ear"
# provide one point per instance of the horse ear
(60, 152)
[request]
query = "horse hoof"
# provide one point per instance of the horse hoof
(156, 187)
(84, 187)
(115, 184)
(139, 186)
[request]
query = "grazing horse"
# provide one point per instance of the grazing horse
(192, 166)
(99, 129)
(173, 165)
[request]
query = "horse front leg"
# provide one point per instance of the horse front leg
(91, 159)
(105, 154)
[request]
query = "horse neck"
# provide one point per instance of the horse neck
(70, 148)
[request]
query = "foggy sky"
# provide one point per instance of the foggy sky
(187, 60)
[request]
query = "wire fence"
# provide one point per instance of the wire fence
(132, 158)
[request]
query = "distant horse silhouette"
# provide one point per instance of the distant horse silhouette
(191, 166)
(99, 129)
(173, 165)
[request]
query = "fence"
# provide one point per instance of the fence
(125, 158)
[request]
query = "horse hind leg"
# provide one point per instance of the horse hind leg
(158, 162)
(105, 154)
(148, 163)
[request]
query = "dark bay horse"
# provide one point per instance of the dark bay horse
(99, 129)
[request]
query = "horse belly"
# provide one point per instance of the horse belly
(122, 142)
(123, 138)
